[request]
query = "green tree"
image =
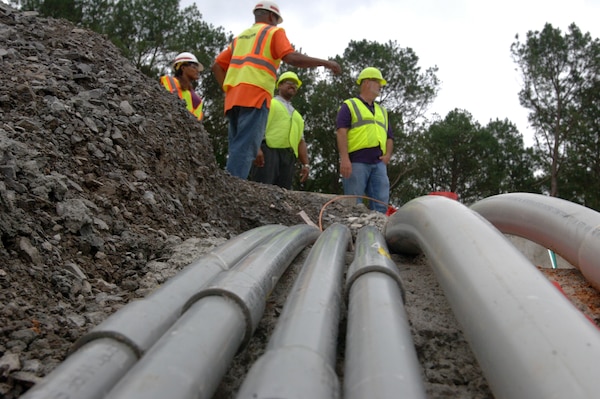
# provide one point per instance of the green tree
(143, 30)
(71, 10)
(68, 9)
(557, 71)
(457, 154)
(511, 165)
(449, 153)
(581, 170)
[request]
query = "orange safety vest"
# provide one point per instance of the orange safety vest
(251, 61)
(172, 85)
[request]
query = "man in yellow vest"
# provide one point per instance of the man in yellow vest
(186, 68)
(365, 142)
(247, 70)
(284, 139)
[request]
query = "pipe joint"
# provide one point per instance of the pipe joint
(250, 303)
(372, 255)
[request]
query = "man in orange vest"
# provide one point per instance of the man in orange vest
(247, 70)
(186, 68)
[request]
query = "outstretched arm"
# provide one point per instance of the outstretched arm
(304, 61)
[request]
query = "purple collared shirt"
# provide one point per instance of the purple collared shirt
(365, 155)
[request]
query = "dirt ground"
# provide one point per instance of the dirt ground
(108, 187)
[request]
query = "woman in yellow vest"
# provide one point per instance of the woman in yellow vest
(186, 69)
(365, 142)
(284, 139)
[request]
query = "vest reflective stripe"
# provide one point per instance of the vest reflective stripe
(367, 130)
(251, 60)
(283, 130)
(172, 85)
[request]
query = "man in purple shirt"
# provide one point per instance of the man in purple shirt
(365, 143)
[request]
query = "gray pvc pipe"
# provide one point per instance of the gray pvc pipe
(101, 357)
(191, 357)
(381, 360)
(300, 358)
(77, 378)
(569, 229)
(530, 341)
(142, 322)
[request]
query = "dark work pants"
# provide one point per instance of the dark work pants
(278, 169)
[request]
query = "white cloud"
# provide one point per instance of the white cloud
(469, 40)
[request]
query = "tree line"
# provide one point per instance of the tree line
(560, 88)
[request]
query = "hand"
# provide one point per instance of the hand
(345, 168)
(259, 161)
(335, 67)
(304, 173)
(386, 158)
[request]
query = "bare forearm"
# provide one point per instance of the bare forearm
(342, 143)
(389, 149)
(304, 61)
(303, 153)
(219, 74)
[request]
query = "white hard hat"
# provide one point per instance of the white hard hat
(186, 57)
(269, 6)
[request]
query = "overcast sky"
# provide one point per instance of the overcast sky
(469, 40)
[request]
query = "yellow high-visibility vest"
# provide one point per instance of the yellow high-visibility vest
(251, 61)
(283, 130)
(367, 130)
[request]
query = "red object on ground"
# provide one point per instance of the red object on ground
(448, 194)
(391, 209)
(555, 283)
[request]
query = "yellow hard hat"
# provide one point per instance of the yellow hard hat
(289, 75)
(371, 73)
(269, 6)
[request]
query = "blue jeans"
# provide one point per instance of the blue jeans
(246, 130)
(370, 180)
